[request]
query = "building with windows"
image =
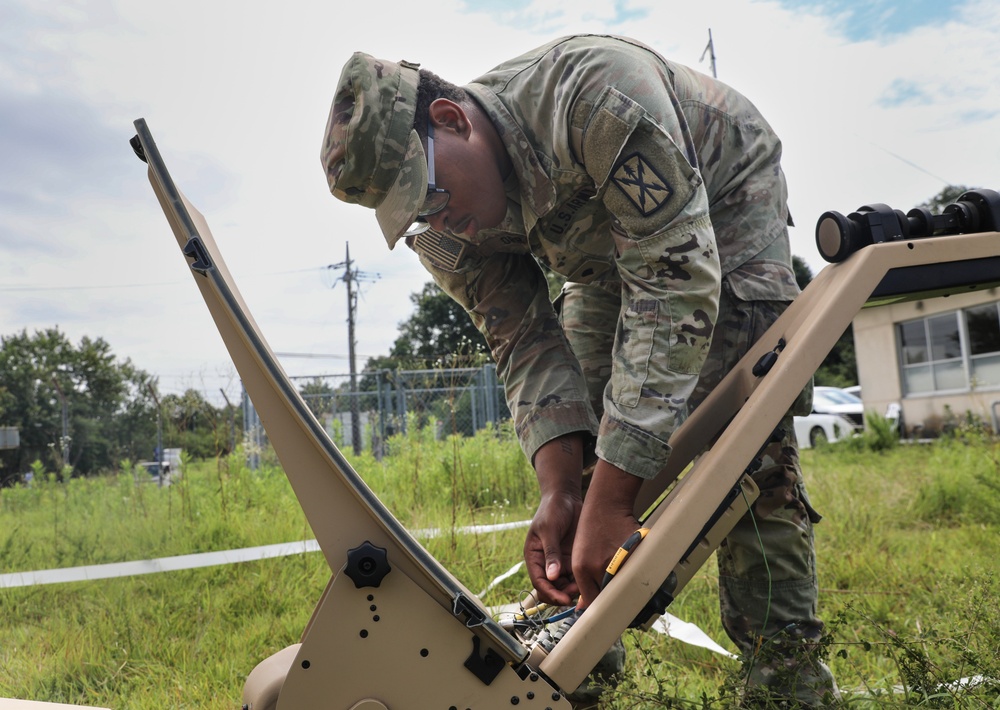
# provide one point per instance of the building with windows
(938, 358)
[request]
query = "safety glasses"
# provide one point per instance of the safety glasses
(436, 199)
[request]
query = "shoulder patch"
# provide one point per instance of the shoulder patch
(651, 181)
(642, 184)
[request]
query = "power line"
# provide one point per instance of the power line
(90, 288)
(313, 356)
(901, 159)
(147, 284)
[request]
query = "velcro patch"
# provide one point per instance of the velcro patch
(642, 184)
(442, 250)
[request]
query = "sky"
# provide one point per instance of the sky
(875, 101)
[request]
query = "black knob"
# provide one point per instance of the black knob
(367, 565)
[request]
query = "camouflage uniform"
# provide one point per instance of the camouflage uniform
(656, 191)
(777, 602)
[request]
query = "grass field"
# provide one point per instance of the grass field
(907, 559)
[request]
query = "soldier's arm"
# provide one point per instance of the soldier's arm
(639, 155)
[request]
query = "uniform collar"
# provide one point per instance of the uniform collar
(538, 193)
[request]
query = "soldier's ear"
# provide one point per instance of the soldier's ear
(448, 115)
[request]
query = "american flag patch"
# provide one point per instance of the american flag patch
(442, 250)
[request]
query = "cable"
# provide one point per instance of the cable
(767, 569)
(561, 615)
(531, 611)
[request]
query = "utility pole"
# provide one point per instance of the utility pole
(710, 51)
(65, 438)
(159, 436)
(351, 277)
(232, 424)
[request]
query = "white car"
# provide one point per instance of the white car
(893, 411)
(817, 427)
(833, 400)
(836, 415)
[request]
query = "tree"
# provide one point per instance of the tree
(439, 333)
(944, 198)
(438, 330)
(839, 368)
(75, 406)
(195, 425)
(319, 395)
(439, 336)
(803, 274)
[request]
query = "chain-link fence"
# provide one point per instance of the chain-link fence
(365, 413)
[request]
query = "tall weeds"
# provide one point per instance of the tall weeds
(907, 559)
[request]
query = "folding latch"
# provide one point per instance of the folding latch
(195, 249)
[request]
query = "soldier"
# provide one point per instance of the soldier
(657, 193)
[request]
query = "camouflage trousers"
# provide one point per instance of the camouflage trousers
(767, 565)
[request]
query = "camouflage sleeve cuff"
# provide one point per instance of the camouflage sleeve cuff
(543, 424)
(631, 449)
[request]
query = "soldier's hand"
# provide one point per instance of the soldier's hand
(548, 548)
(606, 521)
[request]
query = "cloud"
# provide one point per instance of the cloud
(903, 92)
(861, 20)
(55, 144)
(66, 165)
(552, 16)
(977, 116)
(237, 97)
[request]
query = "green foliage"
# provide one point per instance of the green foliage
(38, 470)
(318, 395)
(948, 194)
(461, 477)
(48, 386)
(839, 368)
(439, 333)
(107, 407)
(907, 557)
(880, 434)
(909, 596)
(964, 484)
(195, 425)
(803, 274)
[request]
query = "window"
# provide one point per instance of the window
(951, 351)
(983, 323)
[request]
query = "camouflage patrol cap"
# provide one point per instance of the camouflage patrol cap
(371, 154)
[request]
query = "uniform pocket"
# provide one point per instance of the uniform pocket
(634, 348)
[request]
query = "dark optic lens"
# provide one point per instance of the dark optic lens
(434, 203)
